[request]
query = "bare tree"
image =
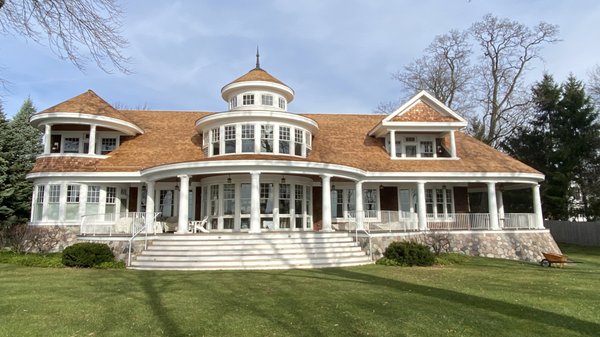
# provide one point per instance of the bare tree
(594, 84)
(508, 47)
(70, 26)
(444, 71)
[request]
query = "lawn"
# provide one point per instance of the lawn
(481, 297)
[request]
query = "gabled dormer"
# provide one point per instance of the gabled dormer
(422, 128)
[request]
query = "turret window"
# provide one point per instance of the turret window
(233, 102)
(247, 138)
(282, 103)
(267, 99)
(298, 141)
(266, 138)
(248, 99)
(215, 140)
(284, 140)
(230, 139)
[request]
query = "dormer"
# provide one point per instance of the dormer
(85, 126)
(422, 128)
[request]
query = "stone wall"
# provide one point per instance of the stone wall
(524, 245)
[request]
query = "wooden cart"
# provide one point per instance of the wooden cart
(550, 258)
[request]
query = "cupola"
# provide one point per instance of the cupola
(257, 90)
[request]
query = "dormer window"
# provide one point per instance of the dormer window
(267, 99)
(248, 99)
(282, 103)
(107, 145)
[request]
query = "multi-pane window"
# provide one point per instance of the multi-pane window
(351, 202)
(411, 151)
(72, 194)
(284, 139)
(214, 200)
(93, 194)
(284, 198)
(228, 199)
(266, 138)
(248, 99)
(247, 138)
(111, 200)
(308, 206)
(439, 201)
(282, 103)
(245, 198)
(449, 202)
(165, 202)
(429, 201)
(298, 140)
(53, 202)
(72, 207)
(427, 149)
(39, 202)
(337, 198)
(215, 140)
(107, 145)
(233, 102)
(71, 145)
(267, 99)
(398, 148)
(298, 199)
(93, 200)
(266, 198)
(370, 203)
(230, 139)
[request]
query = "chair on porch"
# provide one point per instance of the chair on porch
(196, 226)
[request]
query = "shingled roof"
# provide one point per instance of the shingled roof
(88, 103)
(423, 112)
(257, 74)
(342, 139)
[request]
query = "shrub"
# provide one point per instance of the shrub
(409, 254)
(87, 255)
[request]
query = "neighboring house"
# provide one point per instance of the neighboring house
(257, 168)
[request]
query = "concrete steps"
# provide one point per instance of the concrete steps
(250, 251)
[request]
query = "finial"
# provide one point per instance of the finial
(257, 59)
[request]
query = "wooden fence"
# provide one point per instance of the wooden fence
(579, 233)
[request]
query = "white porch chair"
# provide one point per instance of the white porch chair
(196, 226)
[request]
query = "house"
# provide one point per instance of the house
(257, 171)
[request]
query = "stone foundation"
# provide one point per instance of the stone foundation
(524, 245)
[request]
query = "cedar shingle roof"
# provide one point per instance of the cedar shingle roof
(258, 74)
(170, 138)
(422, 112)
(88, 103)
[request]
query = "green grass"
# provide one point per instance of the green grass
(476, 297)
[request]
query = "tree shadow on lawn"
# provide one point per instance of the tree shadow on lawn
(508, 309)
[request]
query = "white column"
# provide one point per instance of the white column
(492, 205)
(150, 207)
(393, 144)
(82, 199)
(359, 206)
(537, 207)
(326, 203)
(47, 139)
(184, 192)
(500, 202)
(452, 144)
(421, 207)
(92, 147)
(255, 202)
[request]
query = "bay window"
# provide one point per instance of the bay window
(72, 207)
(266, 138)
(230, 139)
(247, 138)
(284, 140)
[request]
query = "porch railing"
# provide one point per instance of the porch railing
(398, 221)
(125, 223)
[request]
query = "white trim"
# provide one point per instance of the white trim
(85, 119)
(281, 89)
(83, 155)
(252, 116)
(435, 104)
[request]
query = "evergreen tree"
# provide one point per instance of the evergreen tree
(5, 189)
(23, 146)
(562, 141)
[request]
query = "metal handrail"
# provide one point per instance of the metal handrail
(135, 234)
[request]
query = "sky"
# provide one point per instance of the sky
(338, 56)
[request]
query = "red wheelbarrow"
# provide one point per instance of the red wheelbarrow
(550, 258)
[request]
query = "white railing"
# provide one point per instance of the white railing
(518, 221)
(381, 221)
(458, 221)
(125, 223)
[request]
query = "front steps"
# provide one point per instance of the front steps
(250, 251)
